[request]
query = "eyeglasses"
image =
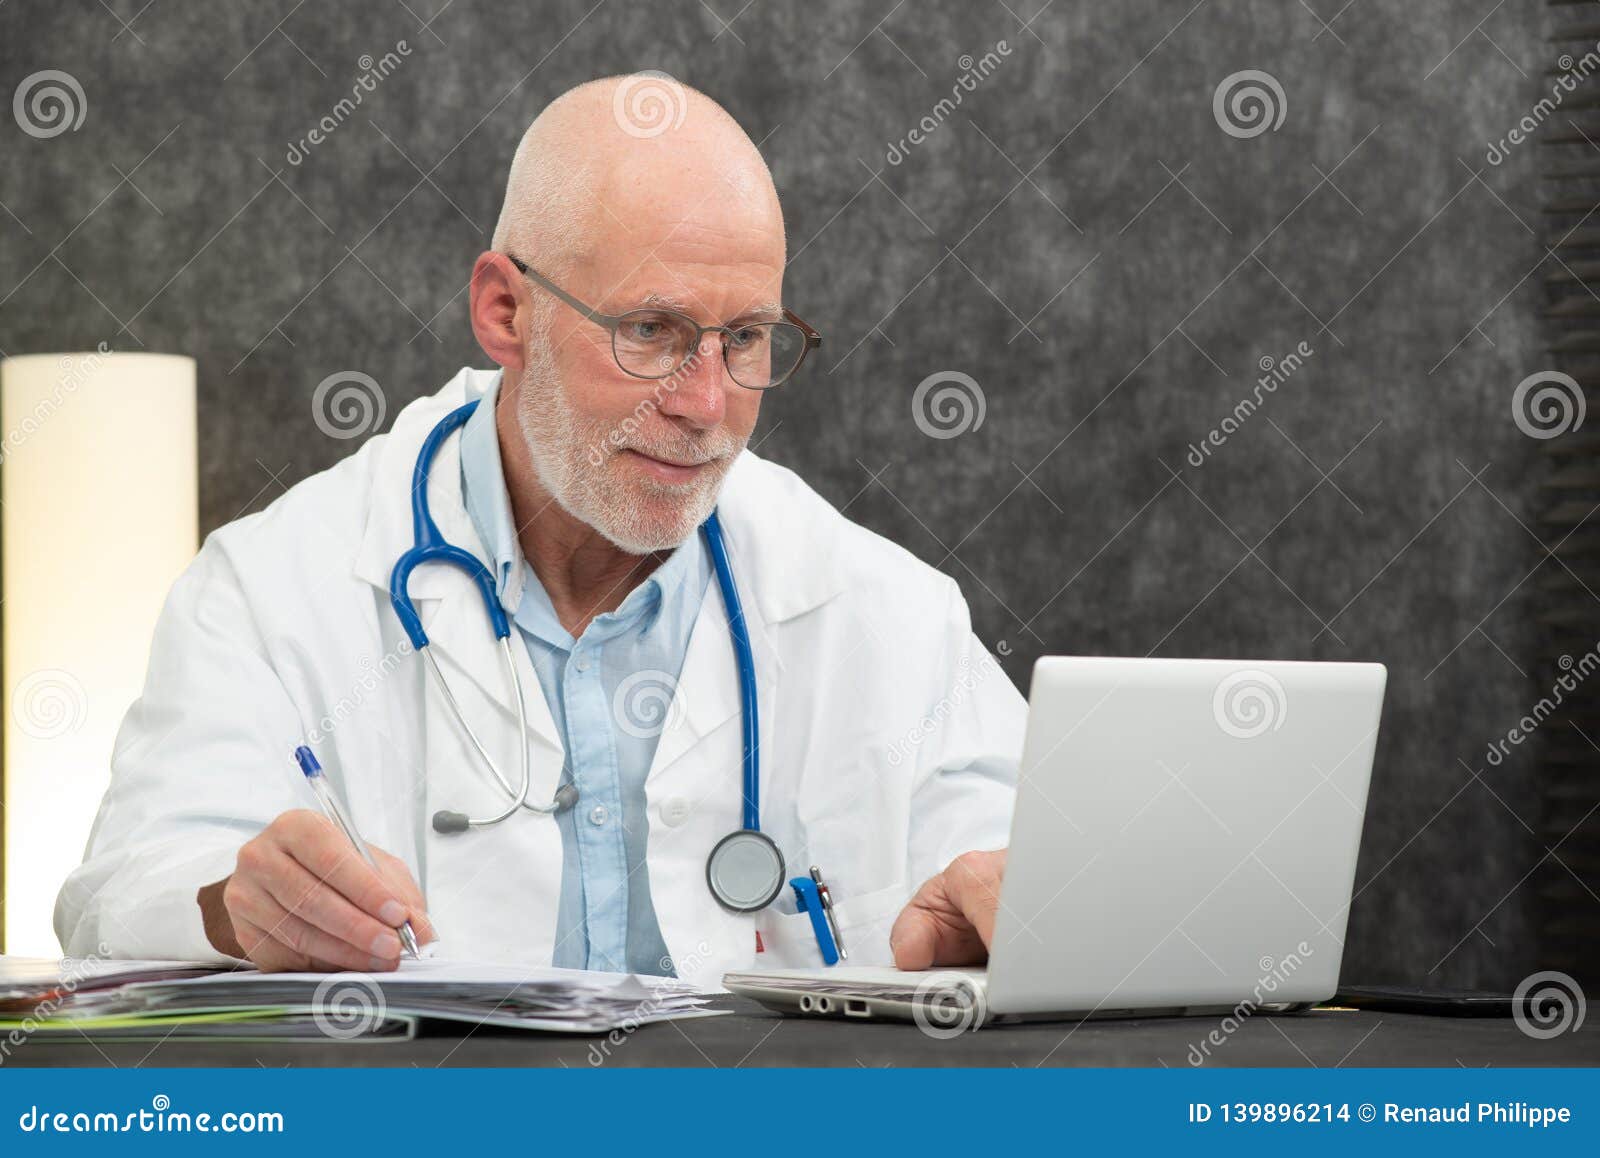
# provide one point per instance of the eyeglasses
(657, 343)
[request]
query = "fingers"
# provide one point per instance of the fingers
(322, 850)
(914, 938)
(272, 956)
(302, 897)
(973, 880)
(950, 920)
(266, 868)
(305, 941)
(399, 878)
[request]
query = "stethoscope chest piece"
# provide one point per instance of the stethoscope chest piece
(745, 871)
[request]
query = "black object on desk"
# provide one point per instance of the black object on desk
(1430, 1002)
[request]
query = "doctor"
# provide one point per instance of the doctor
(632, 303)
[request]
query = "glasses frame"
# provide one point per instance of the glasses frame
(611, 322)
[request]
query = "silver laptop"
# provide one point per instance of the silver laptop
(1184, 841)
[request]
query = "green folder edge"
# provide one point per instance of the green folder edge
(173, 1023)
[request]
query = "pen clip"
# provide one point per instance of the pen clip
(807, 900)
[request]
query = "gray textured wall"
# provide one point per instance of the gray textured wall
(1081, 237)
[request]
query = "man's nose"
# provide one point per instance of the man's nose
(697, 391)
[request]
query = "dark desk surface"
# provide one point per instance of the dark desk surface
(750, 1036)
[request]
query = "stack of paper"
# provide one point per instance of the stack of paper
(150, 999)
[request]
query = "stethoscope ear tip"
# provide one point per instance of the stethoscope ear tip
(448, 822)
(566, 797)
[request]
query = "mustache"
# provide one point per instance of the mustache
(686, 450)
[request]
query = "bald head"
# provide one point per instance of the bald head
(625, 161)
(639, 198)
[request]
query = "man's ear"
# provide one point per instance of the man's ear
(497, 293)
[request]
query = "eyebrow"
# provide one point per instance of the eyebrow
(763, 311)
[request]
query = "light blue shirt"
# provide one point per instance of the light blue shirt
(608, 692)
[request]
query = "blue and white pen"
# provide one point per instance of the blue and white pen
(334, 812)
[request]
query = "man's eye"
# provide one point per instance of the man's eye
(644, 329)
(749, 336)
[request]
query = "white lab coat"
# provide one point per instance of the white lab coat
(889, 735)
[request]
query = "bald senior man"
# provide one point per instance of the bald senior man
(633, 303)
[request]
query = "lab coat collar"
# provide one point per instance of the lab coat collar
(783, 550)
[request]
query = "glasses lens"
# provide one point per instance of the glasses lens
(765, 353)
(652, 343)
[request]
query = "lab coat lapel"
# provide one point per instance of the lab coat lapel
(504, 879)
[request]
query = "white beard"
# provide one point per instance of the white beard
(575, 460)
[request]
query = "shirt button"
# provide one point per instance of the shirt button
(598, 815)
(675, 810)
(583, 663)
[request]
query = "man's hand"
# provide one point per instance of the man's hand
(951, 919)
(301, 898)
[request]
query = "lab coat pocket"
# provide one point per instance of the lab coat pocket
(788, 941)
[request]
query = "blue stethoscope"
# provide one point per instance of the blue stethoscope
(745, 869)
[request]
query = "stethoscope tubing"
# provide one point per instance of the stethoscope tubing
(430, 546)
(744, 661)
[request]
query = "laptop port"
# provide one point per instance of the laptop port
(856, 1007)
